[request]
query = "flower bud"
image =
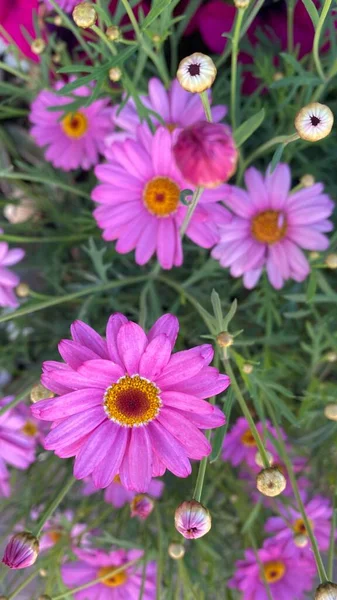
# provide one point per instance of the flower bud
(196, 73)
(300, 540)
(271, 482)
(241, 3)
(314, 255)
(39, 392)
(224, 339)
(326, 591)
(19, 213)
(331, 357)
(156, 38)
(115, 74)
(330, 411)
(43, 573)
(192, 519)
(58, 20)
(22, 290)
(141, 506)
(176, 551)
(331, 261)
(248, 369)
(38, 46)
(259, 461)
(314, 122)
(84, 15)
(278, 76)
(307, 180)
(206, 154)
(21, 551)
(113, 33)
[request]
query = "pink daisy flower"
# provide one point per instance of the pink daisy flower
(139, 201)
(118, 496)
(175, 107)
(124, 585)
(66, 5)
(76, 139)
(16, 448)
(271, 225)
(127, 406)
(285, 527)
(8, 279)
(240, 446)
(61, 525)
(288, 573)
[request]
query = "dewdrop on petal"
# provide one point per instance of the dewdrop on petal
(331, 261)
(115, 74)
(84, 15)
(21, 551)
(192, 520)
(39, 392)
(259, 461)
(326, 591)
(196, 73)
(314, 122)
(38, 46)
(176, 551)
(271, 482)
(300, 540)
(224, 339)
(330, 412)
(113, 33)
(307, 180)
(141, 506)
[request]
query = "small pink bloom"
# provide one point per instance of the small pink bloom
(240, 446)
(206, 154)
(66, 5)
(270, 227)
(8, 279)
(21, 551)
(141, 506)
(117, 495)
(16, 16)
(127, 405)
(192, 520)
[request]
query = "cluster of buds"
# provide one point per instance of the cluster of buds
(192, 520)
(271, 482)
(21, 551)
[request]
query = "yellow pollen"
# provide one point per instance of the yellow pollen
(269, 227)
(75, 125)
(112, 580)
(29, 429)
(299, 526)
(132, 401)
(247, 439)
(171, 126)
(274, 570)
(161, 196)
(117, 479)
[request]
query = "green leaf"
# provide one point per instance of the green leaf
(248, 127)
(251, 517)
(76, 69)
(296, 80)
(312, 11)
(312, 286)
(155, 11)
(221, 432)
(291, 60)
(230, 315)
(216, 304)
(277, 157)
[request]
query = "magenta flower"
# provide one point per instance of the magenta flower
(139, 201)
(8, 279)
(271, 225)
(118, 496)
(60, 526)
(21, 551)
(288, 573)
(175, 107)
(240, 446)
(141, 506)
(206, 154)
(127, 406)
(75, 140)
(192, 520)
(66, 5)
(17, 447)
(16, 16)
(96, 563)
(290, 524)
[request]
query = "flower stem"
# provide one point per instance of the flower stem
(22, 585)
(14, 72)
(43, 240)
(192, 206)
(47, 513)
(201, 475)
(73, 28)
(207, 108)
(38, 179)
(318, 32)
(234, 63)
(290, 25)
(279, 139)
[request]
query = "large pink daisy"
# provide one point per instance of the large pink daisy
(139, 201)
(128, 406)
(270, 227)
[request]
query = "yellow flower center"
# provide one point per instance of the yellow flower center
(171, 126)
(112, 580)
(269, 227)
(274, 570)
(299, 526)
(117, 479)
(29, 429)
(161, 196)
(75, 125)
(132, 401)
(248, 439)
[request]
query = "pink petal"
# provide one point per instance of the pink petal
(75, 354)
(156, 356)
(114, 324)
(136, 468)
(66, 405)
(101, 373)
(169, 450)
(184, 365)
(94, 450)
(167, 324)
(74, 427)
(193, 441)
(132, 342)
(104, 473)
(83, 334)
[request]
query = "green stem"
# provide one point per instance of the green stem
(201, 475)
(279, 139)
(290, 25)
(207, 108)
(13, 71)
(234, 63)
(73, 28)
(23, 585)
(318, 32)
(92, 289)
(38, 179)
(104, 39)
(49, 511)
(246, 412)
(191, 208)
(43, 240)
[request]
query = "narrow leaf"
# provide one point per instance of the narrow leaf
(248, 127)
(312, 11)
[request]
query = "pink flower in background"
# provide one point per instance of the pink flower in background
(270, 227)
(124, 585)
(127, 406)
(176, 107)
(288, 573)
(16, 447)
(118, 496)
(16, 16)
(240, 446)
(77, 139)
(66, 5)
(139, 201)
(60, 526)
(290, 523)
(8, 279)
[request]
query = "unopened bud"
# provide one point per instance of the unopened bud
(314, 122)
(21, 551)
(314, 255)
(307, 180)
(331, 261)
(331, 357)
(247, 368)
(113, 33)
(330, 411)
(259, 461)
(241, 3)
(196, 73)
(176, 551)
(300, 540)
(141, 506)
(58, 20)
(57, 58)
(234, 498)
(39, 392)
(19, 213)
(43, 573)
(23, 290)
(326, 591)
(192, 519)
(84, 15)
(224, 339)
(115, 74)
(38, 46)
(278, 76)
(156, 38)
(271, 482)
